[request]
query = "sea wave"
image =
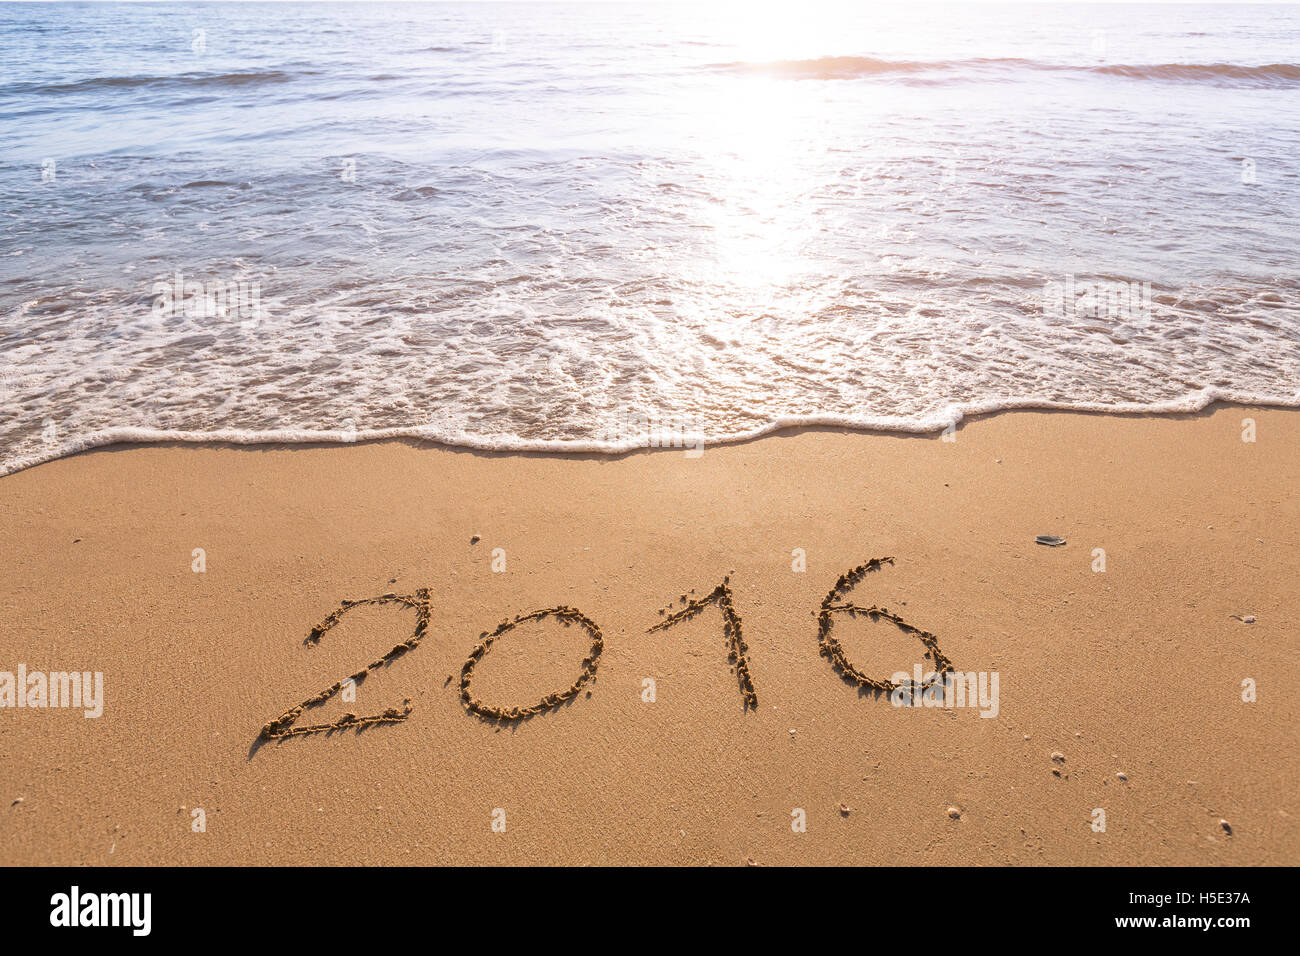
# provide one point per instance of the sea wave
(192, 80)
(1268, 74)
(1276, 75)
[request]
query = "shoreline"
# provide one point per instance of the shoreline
(559, 449)
(1136, 669)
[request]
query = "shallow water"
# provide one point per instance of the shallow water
(601, 226)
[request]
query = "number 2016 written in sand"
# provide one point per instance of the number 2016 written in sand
(835, 602)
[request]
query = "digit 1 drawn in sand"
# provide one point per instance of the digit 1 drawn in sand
(567, 616)
(834, 604)
(736, 647)
(283, 726)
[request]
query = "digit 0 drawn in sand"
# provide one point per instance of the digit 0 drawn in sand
(831, 648)
(736, 647)
(283, 726)
(567, 616)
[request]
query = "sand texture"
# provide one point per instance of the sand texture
(475, 738)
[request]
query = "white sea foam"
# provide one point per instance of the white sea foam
(688, 440)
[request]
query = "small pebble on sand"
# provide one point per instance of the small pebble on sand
(844, 809)
(954, 813)
(1122, 777)
(1227, 828)
(1058, 757)
(475, 539)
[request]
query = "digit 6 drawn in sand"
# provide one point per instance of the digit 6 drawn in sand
(721, 595)
(283, 726)
(830, 647)
(567, 616)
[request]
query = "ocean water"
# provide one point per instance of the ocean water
(593, 226)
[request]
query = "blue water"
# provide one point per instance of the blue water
(600, 226)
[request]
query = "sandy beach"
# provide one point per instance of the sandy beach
(192, 578)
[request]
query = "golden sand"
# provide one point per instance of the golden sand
(664, 659)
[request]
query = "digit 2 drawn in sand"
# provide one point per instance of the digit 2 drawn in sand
(567, 616)
(736, 647)
(834, 604)
(283, 726)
